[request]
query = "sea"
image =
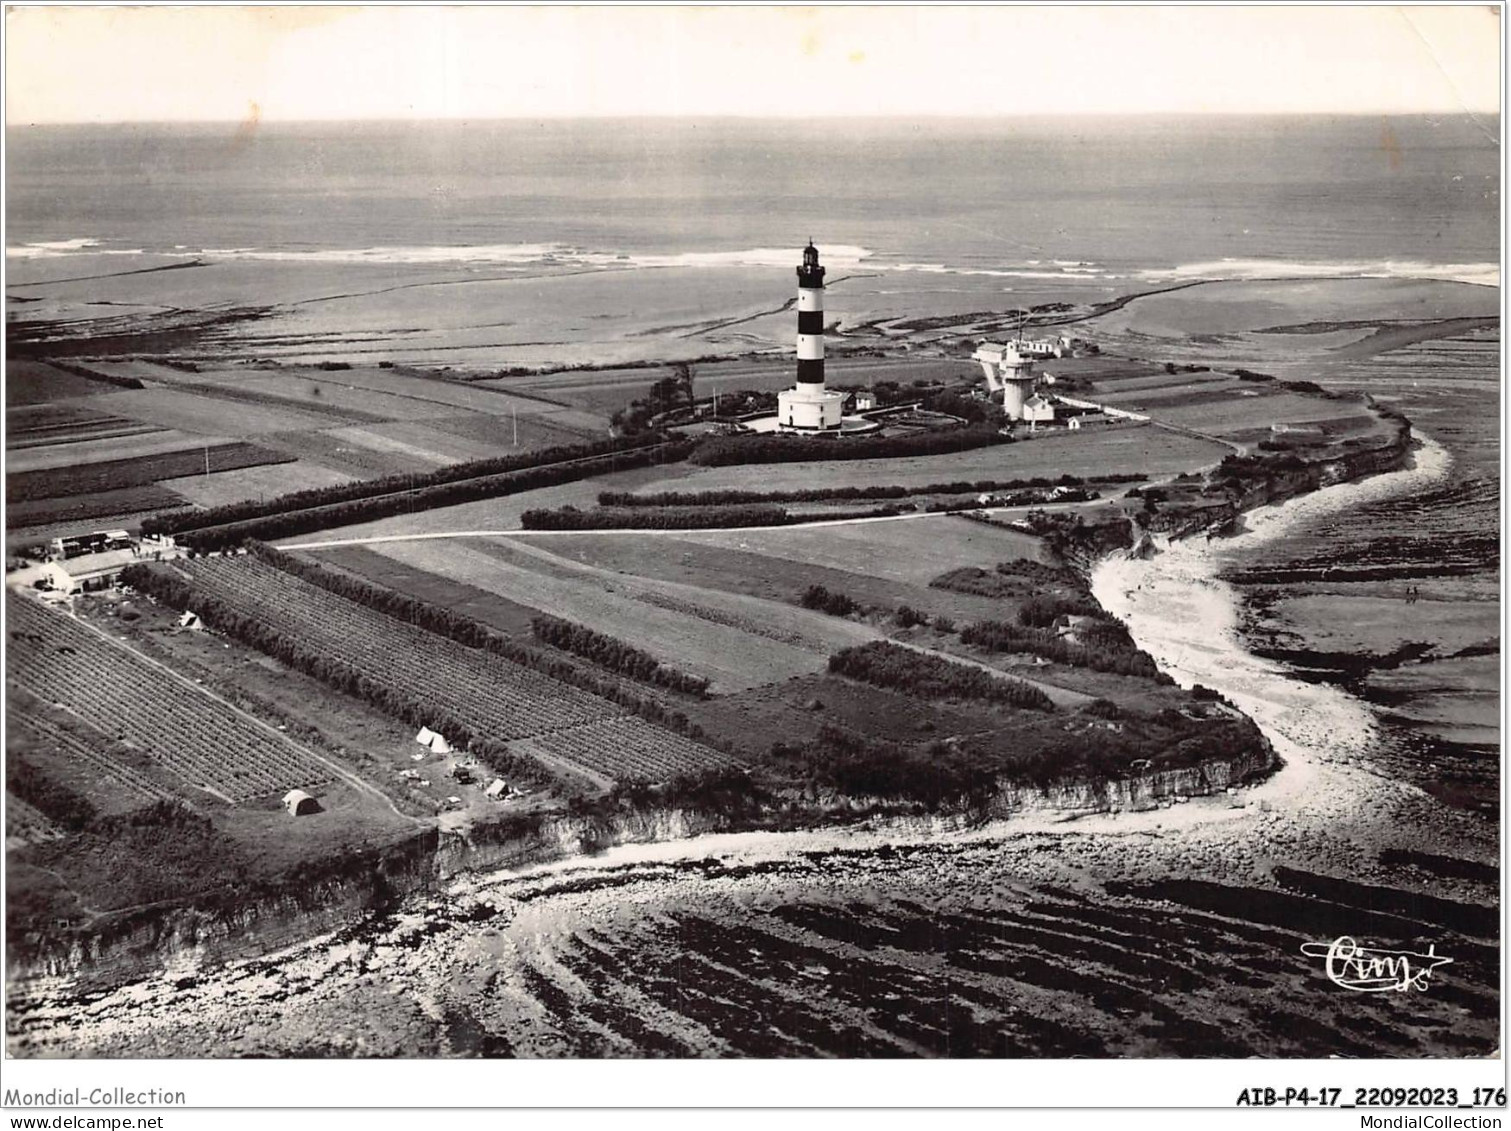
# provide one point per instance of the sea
(1042, 197)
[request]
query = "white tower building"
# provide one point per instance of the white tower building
(1008, 372)
(808, 406)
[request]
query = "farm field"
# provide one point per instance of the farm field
(134, 471)
(36, 425)
(264, 481)
(755, 574)
(1241, 414)
(472, 396)
(332, 391)
(209, 746)
(343, 456)
(1131, 692)
(203, 413)
(912, 551)
(35, 382)
(499, 433)
(158, 442)
(1108, 384)
(415, 440)
(158, 373)
(491, 609)
(625, 747)
(734, 642)
(73, 509)
(111, 775)
(756, 718)
(502, 700)
(1127, 448)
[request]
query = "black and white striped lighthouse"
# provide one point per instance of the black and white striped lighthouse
(810, 320)
(808, 406)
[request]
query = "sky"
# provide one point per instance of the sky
(224, 63)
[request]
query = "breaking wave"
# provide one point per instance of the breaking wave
(1481, 274)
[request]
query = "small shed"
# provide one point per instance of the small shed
(497, 788)
(299, 803)
(1039, 409)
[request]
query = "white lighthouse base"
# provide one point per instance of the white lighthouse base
(809, 409)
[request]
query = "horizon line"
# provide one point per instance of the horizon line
(253, 123)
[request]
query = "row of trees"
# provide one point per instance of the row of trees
(672, 392)
(290, 523)
(1099, 653)
(733, 497)
(614, 654)
(721, 451)
(892, 666)
(679, 518)
(176, 522)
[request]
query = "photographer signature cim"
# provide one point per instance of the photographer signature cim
(1374, 970)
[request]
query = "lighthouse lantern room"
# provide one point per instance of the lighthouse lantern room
(808, 406)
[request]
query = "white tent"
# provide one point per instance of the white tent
(425, 737)
(439, 745)
(299, 803)
(189, 620)
(497, 788)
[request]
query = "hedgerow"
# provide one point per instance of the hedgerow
(613, 653)
(889, 665)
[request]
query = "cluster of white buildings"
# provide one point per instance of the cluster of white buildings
(1009, 370)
